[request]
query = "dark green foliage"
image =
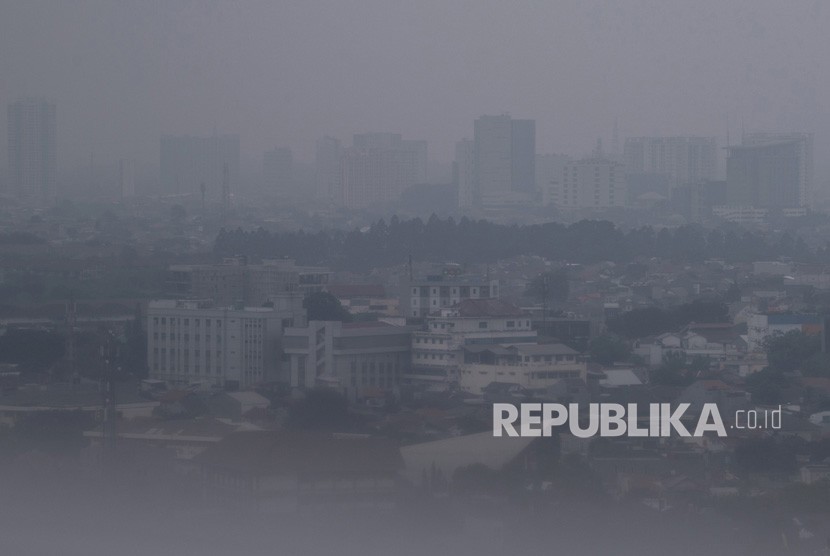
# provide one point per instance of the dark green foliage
(673, 372)
(766, 386)
(324, 306)
(33, 350)
(654, 320)
(609, 349)
(478, 241)
(797, 351)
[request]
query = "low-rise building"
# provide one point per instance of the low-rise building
(365, 298)
(437, 348)
(762, 326)
(197, 342)
(533, 367)
(357, 358)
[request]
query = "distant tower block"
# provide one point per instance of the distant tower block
(126, 178)
(203, 190)
(226, 192)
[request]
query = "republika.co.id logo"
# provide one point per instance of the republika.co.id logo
(612, 419)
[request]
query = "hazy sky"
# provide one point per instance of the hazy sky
(285, 73)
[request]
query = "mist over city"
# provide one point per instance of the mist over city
(313, 277)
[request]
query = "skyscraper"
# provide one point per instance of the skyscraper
(807, 194)
(491, 158)
(126, 178)
(504, 158)
(379, 166)
(463, 172)
(593, 183)
(32, 146)
(766, 175)
(327, 170)
(681, 160)
(523, 156)
(188, 162)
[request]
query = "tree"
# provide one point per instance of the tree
(34, 350)
(324, 306)
(795, 351)
(609, 349)
(673, 371)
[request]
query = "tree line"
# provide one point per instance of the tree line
(479, 241)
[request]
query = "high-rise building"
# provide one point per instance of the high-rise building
(327, 170)
(278, 169)
(549, 169)
(492, 162)
(523, 156)
(766, 175)
(379, 166)
(682, 160)
(126, 178)
(188, 162)
(32, 146)
(463, 172)
(591, 183)
(504, 158)
(804, 150)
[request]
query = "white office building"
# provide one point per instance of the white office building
(197, 343)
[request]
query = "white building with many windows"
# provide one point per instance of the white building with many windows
(437, 350)
(592, 183)
(441, 292)
(192, 342)
(533, 367)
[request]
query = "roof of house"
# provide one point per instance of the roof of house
(488, 308)
(356, 290)
(545, 349)
(620, 377)
(819, 383)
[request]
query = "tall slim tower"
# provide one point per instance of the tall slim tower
(32, 140)
(226, 192)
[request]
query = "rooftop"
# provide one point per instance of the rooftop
(473, 308)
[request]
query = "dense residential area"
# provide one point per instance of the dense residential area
(261, 382)
(377, 278)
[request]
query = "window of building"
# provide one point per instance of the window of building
(482, 324)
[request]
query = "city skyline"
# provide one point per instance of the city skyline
(575, 69)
